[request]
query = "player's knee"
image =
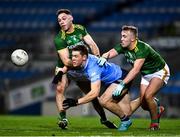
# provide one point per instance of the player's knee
(148, 97)
(144, 105)
(103, 102)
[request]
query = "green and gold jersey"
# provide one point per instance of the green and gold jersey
(153, 61)
(70, 40)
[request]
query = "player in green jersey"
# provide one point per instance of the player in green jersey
(68, 37)
(154, 70)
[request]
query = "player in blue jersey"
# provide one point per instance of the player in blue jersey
(68, 37)
(109, 75)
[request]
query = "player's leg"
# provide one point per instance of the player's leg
(124, 104)
(126, 107)
(154, 82)
(107, 102)
(154, 85)
(135, 104)
(102, 114)
(113, 106)
(60, 88)
(144, 105)
(140, 101)
(85, 88)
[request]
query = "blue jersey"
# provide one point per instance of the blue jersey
(93, 72)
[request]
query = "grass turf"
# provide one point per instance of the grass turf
(80, 126)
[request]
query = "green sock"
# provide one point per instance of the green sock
(62, 115)
(154, 120)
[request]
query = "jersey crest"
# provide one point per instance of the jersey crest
(130, 57)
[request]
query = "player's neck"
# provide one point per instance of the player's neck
(132, 45)
(71, 29)
(83, 64)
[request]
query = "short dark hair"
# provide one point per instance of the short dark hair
(82, 49)
(66, 11)
(133, 29)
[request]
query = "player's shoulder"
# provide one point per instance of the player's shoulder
(92, 65)
(92, 57)
(142, 47)
(92, 61)
(79, 26)
(142, 43)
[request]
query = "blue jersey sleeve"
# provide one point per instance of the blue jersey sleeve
(93, 70)
(94, 73)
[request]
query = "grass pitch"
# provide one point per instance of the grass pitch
(80, 126)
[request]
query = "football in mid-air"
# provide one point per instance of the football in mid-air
(19, 57)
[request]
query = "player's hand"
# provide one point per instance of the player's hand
(118, 91)
(101, 61)
(57, 77)
(69, 102)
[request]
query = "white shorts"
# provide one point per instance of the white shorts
(163, 74)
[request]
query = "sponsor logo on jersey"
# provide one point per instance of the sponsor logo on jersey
(76, 44)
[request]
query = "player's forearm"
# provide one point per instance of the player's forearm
(95, 50)
(64, 57)
(138, 63)
(131, 75)
(68, 62)
(87, 98)
(110, 54)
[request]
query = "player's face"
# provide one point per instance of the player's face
(77, 59)
(65, 21)
(126, 38)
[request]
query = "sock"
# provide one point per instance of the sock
(156, 101)
(154, 120)
(103, 118)
(99, 109)
(124, 118)
(102, 115)
(62, 115)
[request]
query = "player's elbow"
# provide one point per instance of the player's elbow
(94, 95)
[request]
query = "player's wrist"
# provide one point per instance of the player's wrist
(104, 57)
(78, 102)
(123, 83)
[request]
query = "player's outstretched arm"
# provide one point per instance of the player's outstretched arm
(134, 71)
(95, 88)
(110, 54)
(94, 48)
